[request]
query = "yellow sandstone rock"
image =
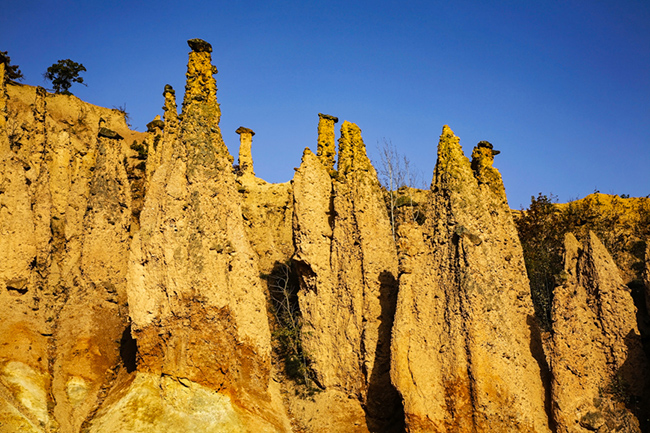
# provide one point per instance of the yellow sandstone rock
(464, 328)
(137, 293)
(595, 351)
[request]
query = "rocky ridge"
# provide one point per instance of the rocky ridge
(137, 279)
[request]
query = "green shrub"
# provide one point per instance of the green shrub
(542, 244)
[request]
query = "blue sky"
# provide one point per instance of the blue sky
(562, 88)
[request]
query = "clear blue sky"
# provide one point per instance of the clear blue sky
(562, 88)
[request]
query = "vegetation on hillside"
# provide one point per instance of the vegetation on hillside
(283, 288)
(622, 224)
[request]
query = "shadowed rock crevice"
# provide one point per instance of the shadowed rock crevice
(128, 350)
(384, 409)
(537, 350)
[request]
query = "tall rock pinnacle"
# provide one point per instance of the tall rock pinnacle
(245, 151)
(461, 348)
(204, 149)
(326, 149)
(194, 275)
(171, 131)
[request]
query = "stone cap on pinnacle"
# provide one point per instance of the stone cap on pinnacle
(487, 145)
(328, 117)
(169, 89)
(243, 130)
(199, 46)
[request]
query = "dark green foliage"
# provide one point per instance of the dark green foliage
(142, 152)
(12, 72)
(287, 332)
(63, 73)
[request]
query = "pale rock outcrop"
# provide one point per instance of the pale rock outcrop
(347, 265)
(152, 149)
(197, 307)
(464, 332)
(24, 378)
(48, 186)
(267, 209)
(95, 315)
(595, 351)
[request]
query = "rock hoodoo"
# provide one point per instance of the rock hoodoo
(326, 148)
(139, 286)
(462, 337)
(245, 156)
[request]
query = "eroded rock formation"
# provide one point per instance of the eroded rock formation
(137, 285)
(197, 307)
(347, 263)
(595, 352)
(65, 220)
(326, 148)
(462, 337)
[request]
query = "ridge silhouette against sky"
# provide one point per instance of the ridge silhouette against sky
(562, 88)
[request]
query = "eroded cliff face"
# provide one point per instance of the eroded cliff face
(197, 307)
(464, 333)
(137, 285)
(347, 263)
(267, 209)
(65, 217)
(595, 352)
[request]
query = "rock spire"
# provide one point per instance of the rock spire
(326, 149)
(347, 263)
(194, 276)
(245, 154)
(464, 327)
